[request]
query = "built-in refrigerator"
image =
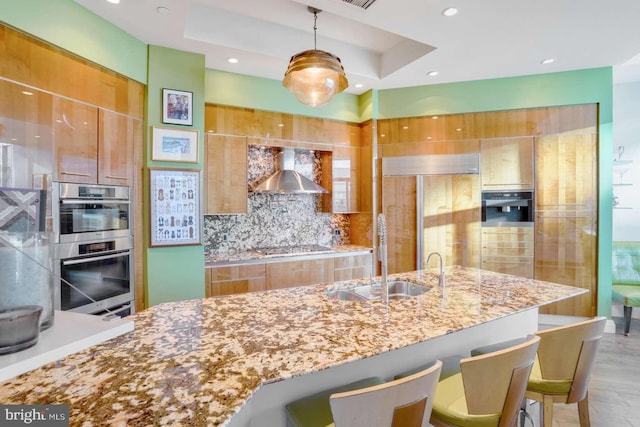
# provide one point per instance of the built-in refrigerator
(432, 203)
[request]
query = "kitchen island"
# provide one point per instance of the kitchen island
(216, 361)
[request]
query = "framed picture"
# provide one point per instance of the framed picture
(175, 145)
(175, 207)
(177, 107)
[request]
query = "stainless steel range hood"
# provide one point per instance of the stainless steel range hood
(287, 180)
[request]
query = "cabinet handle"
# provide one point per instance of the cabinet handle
(506, 262)
(513, 183)
(116, 177)
(75, 173)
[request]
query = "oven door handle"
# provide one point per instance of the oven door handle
(98, 258)
(94, 201)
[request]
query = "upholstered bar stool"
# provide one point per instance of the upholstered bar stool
(488, 390)
(405, 402)
(562, 369)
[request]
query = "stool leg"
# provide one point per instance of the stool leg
(627, 319)
(546, 411)
(583, 412)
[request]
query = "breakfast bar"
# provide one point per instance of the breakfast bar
(227, 361)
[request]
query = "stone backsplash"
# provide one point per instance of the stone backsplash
(274, 219)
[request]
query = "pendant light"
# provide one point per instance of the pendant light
(315, 76)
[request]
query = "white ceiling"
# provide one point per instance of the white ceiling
(394, 43)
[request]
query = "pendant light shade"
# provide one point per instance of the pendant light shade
(315, 76)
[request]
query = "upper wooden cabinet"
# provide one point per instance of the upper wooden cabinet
(346, 179)
(117, 134)
(75, 141)
(507, 163)
(225, 174)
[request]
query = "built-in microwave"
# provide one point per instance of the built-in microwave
(90, 212)
(507, 208)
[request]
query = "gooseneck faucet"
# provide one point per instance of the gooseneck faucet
(441, 273)
(382, 255)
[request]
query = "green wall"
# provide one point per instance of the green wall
(240, 90)
(70, 26)
(177, 272)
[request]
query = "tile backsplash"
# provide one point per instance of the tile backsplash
(274, 219)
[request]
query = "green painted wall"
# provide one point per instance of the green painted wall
(240, 90)
(70, 26)
(173, 273)
(566, 88)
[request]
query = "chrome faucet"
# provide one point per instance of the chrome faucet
(382, 255)
(441, 273)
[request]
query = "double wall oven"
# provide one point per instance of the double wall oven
(94, 249)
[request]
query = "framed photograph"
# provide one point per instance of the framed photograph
(175, 145)
(175, 207)
(177, 107)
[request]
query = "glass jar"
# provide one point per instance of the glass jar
(26, 272)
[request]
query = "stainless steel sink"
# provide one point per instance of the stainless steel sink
(398, 289)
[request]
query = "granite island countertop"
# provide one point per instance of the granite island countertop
(196, 363)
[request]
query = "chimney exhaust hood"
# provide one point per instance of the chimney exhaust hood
(287, 180)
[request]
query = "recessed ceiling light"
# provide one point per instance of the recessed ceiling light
(161, 9)
(114, 1)
(434, 117)
(450, 11)
(26, 92)
(232, 60)
(405, 127)
(432, 73)
(280, 125)
(359, 85)
(458, 129)
(548, 61)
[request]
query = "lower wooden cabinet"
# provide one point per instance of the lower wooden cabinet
(235, 279)
(243, 278)
(508, 250)
(297, 273)
(353, 267)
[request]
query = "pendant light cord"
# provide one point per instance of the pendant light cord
(315, 28)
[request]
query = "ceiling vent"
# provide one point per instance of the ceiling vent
(360, 3)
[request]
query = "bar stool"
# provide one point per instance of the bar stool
(405, 402)
(488, 390)
(562, 369)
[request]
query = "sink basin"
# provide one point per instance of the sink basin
(398, 289)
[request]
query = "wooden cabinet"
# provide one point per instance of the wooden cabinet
(565, 218)
(346, 179)
(75, 141)
(117, 134)
(92, 145)
(508, 250)
(235, 279)
(225, 174)
(353, 267)
(297, 273)
(507, 163)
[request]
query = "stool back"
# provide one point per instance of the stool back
(495, 383)
(405, 402)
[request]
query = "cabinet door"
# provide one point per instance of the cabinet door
(507, 163)
(226, 174)
(345, 177)
(235, 279)
(116, 135)
(25, 135)
(298, 273)
(353, 267)
(565, 219)
(75, 141)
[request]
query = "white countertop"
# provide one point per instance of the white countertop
(70, 333)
